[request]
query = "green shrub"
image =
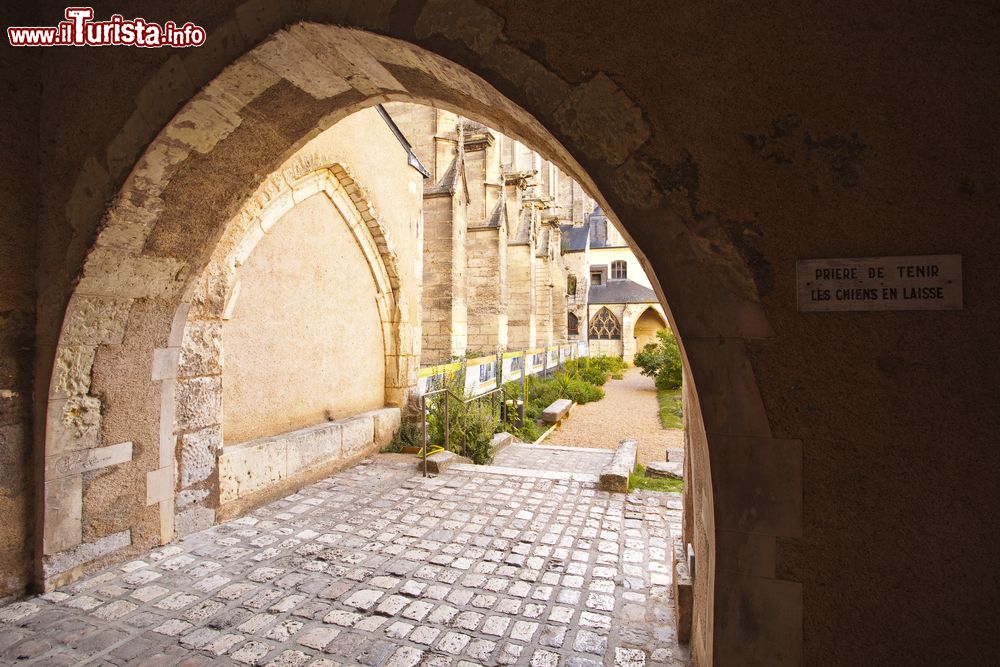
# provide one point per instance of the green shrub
(470, 425)
(662, 360)
(409, 434)
(476, 423)
(583, 369)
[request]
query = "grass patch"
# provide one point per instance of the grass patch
(638, 480)
(671, 408)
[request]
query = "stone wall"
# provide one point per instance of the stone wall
(521, 320)
(19, 261)
(444, 319)
(543, 297)
(486, 250)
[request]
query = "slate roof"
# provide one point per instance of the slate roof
(574, 239)
(496, 217)
(621, 291)
(523, 236)
(449, 181)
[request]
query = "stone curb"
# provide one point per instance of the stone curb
(614, 476)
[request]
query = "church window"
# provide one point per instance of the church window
(605, 326)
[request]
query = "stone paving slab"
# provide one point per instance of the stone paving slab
(559, 459)
(376, 566)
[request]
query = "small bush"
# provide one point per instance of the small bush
(409, 434)
(476, 425)
(470, 425)
(662, 360)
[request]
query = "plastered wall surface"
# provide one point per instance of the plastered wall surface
(300, 348)
(747, 140)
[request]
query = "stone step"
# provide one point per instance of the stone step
(438, 463)
(501, 441)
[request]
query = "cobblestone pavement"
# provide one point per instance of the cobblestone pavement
(377, 566)
(629, 409)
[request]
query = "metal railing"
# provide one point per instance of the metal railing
(445, 393)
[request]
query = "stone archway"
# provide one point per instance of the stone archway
(111, 391)
(211, 298)
(645, 325)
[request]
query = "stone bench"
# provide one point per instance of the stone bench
(557, 411)
(614, 476)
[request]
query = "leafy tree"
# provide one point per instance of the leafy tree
(662, 360)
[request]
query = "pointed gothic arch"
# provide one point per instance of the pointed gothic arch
(604, 326)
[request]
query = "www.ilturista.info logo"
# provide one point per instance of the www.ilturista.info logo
(80, 30)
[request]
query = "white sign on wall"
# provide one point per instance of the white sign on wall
(922, 282)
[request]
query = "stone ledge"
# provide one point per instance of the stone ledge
(250, 467)
(614, 476)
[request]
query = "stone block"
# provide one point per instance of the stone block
(387, 421)
(190, 497)
(666, 469)
(359, 434)
(85, 460)
(614, 476)
(310, 446)
(85, 553)
(165, 363)
(159, 485)
(63, 514)
(199, 451)
(438, 463)
(199, 403)
(72, 373)
(193, 520)
(250, 467)
(201, 349)
(500, 442)
(72, 424)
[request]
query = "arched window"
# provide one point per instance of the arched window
(605, 326)
(619, 269)
(572, 324)
(571, 285)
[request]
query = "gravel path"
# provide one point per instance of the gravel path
(628, 410)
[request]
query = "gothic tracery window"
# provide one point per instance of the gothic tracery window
(605, 326)
(619, 269)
